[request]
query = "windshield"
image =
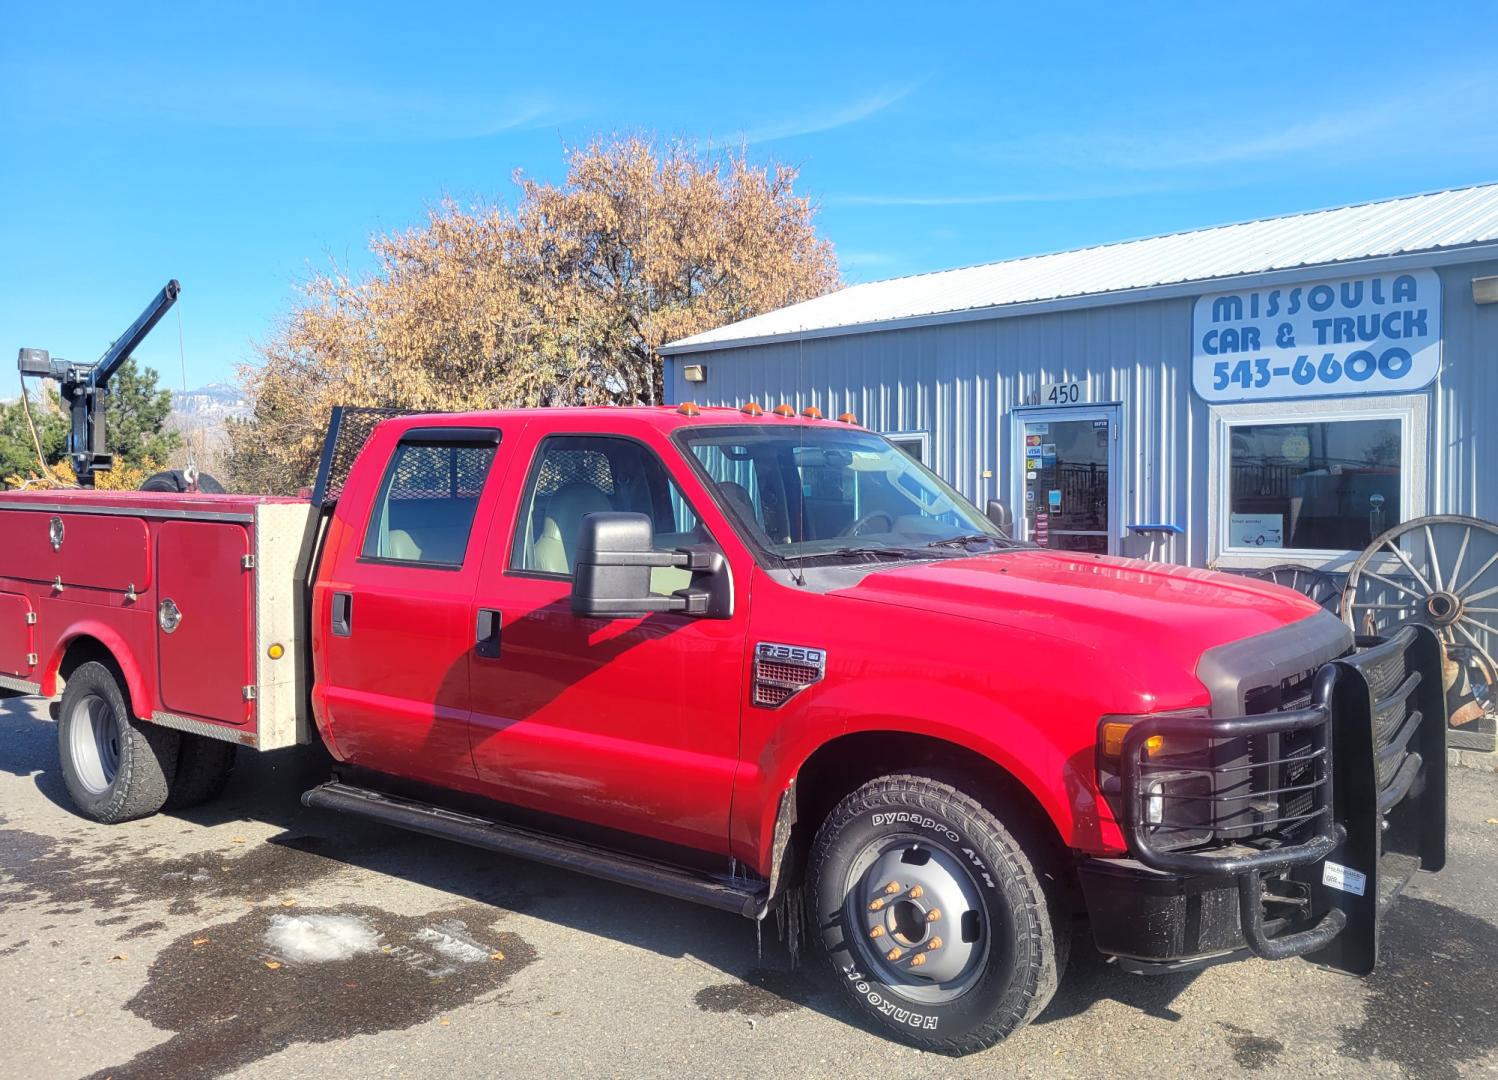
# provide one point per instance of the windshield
(805, 491)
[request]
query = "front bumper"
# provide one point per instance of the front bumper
(1340, 824)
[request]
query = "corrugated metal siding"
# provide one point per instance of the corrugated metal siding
(1464, 410)
(1445, 219)
(961, 382)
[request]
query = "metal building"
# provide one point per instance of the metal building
(1272, 392)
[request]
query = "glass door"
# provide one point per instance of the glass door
(1068, 483)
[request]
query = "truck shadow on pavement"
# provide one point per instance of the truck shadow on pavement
(1429, 1007)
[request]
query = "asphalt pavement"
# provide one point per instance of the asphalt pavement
(255, 938)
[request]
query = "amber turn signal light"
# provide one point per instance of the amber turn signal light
(1113, 740)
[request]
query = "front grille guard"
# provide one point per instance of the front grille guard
(1376, 723)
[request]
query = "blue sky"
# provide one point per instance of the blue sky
(236, 146)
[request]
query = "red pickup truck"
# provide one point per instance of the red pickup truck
(759, 660)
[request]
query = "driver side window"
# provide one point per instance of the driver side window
(576, 475)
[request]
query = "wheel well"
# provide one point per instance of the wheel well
(83, 649)
(80, 651)
(841, 766)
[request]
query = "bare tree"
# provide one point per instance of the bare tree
(563, 301)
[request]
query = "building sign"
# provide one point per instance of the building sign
(1368, 335)
(1256, 530)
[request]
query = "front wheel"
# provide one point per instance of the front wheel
(115, 767)
(933, 914)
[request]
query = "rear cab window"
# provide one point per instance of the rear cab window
(424, 512)
(576, 475)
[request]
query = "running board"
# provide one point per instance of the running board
(747, 899)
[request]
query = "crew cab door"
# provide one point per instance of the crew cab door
(629, 723)
(394, 632)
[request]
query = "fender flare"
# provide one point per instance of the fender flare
(115, 645)
(1066, 797)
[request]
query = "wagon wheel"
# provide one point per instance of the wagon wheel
(1318, 585)
(1441, 571)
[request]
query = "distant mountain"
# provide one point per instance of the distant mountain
(200, 416)
(214, 403)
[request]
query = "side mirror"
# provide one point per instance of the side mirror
(999, 514)
(615, 554)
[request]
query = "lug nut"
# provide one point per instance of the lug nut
(934, 943)
(895, 953)
(933, 914)
(917, 960)
(878, 931)
(892, 888)
(876, 905)
(917, 892)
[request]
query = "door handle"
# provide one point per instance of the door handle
(487, 633)
(343, 614)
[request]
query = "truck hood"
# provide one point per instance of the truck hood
(1149, 617)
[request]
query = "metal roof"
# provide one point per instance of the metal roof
(1114, 273)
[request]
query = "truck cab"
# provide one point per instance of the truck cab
(767, 662)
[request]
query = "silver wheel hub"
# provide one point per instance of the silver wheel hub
(94, 739)
(921, 920)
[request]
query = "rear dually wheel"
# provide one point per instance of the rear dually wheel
(115, 767)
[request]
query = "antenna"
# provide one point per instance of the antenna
(800, 446)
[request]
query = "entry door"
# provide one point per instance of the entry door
(394, 625)
(1069, 477)
(630, 723)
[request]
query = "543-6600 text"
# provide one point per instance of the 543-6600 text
(1360, 366)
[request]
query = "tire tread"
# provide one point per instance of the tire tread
(148, 752)
(1049, 931)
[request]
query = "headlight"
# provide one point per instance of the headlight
(1177, 793)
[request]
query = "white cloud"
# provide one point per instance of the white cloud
(289, 102)
(827, 118)
(1387, 126)
(1000, 198)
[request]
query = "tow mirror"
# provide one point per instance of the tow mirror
(999, 514)
(615, 555)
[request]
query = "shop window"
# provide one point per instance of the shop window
(1322, 485)
(914, 443)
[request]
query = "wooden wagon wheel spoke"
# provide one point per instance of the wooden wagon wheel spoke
(1442, 580)
(1476, 622)
(1435, 560)
(1402, 557)
(1464, 586)
(1391, 584)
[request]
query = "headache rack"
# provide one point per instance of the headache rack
(1341, 770)
(349, 428)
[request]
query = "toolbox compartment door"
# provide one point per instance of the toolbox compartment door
(205, 662)
(85, 551)
(17, 636)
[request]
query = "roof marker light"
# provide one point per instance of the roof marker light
(811, 412)
(752, 409)
(784, 410)
(689, 408)
(847, 418)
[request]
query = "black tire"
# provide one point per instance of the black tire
(116, 767)
(172, 480)
(203, 769)
(1011, 941)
